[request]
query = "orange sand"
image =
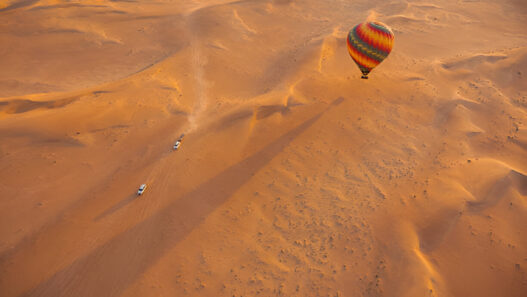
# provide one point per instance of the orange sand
(295, 177)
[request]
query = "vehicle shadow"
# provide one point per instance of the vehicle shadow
(112, 267)
(116, 207)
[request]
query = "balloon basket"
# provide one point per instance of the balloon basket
(364, 77)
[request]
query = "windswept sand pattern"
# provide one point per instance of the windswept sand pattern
(294, 178)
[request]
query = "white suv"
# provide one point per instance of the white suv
(177, 144)
(141, 190)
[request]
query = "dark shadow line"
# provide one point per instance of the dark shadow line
(519, 143)
(232, 118)
(492, 196)
(101, 92)
(513, 179)
(69, 5)
(26, 105)
(116, 207)
(19, 4)
(110, 268)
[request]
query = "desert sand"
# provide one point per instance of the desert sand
(295, 176)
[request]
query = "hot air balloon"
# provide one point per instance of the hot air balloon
(369, 44)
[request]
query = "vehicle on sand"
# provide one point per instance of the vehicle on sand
(177, 145)
(141, 190)
(178, 142)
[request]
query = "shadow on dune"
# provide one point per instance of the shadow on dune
(259, 112)
(67, 5)
(112, 267)
(19, 4)
(25, 105)
(265, 111)
(232, 118)
(519, 143)
(437, 229)
(116, 207)
(34, 138)
(513, 179)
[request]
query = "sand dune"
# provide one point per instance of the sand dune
(294, 178)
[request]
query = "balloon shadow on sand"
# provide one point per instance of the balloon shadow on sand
(112, 267)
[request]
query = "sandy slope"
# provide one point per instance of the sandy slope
(295, 177)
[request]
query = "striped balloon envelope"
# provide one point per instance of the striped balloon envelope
(369, 44)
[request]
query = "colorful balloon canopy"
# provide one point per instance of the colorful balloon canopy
(369, 44)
